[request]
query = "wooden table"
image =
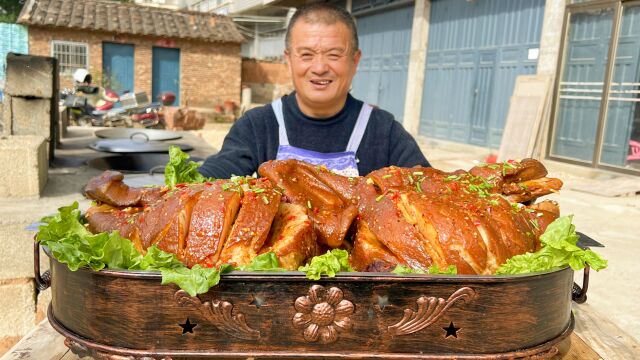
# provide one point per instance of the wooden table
(594, 338)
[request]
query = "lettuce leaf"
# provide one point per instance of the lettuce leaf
(559, 249)
(179, 170)
(329, 264)
(433, 269)
(197, 280)
(72, 244)
(264, 262)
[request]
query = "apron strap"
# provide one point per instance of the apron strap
(356, 134)
(282, 131)
(361, 126)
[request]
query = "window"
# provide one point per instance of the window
(70, 55)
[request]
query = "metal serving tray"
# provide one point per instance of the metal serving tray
(112, 314)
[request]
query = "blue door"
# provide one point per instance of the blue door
(117, 67)
(166, 72)
(475, 52)
(385, 41)
(580, 89)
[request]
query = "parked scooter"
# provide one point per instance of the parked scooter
(92, 105)
(135, 110)
(88, 102)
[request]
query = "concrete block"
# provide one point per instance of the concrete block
(31, 76)
(16, 252)
(17, 307)
(31, 116)
(6, 116)
(42, 305)
(23, 166)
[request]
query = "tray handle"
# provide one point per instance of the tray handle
(579, 294)
(42, 281)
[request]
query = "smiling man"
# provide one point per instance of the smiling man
(319, 122)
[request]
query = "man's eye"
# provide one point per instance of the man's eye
(306, 56)
(334, 56)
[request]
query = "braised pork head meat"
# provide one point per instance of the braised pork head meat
(418, 217)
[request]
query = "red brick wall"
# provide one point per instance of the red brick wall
(264, 72)
(209, 72)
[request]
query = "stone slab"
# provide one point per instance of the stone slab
(23, 166)
(31, 76)
(31, 116)
(19, 296)
(6, 116)
(16, 252)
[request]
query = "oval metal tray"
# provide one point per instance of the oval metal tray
(285, 315)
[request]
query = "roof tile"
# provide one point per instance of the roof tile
(123, 18)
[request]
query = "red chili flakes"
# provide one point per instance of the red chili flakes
(181, 185)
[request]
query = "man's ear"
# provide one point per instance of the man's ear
(287, 59)
(356, 57)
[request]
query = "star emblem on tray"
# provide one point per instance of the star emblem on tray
(451, 330)
(187, 327)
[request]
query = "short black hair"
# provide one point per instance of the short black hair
(323, 13)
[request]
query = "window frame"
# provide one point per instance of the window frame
(74, 43)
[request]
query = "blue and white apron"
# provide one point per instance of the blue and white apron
(343, 163)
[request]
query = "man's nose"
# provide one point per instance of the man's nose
(320, 65)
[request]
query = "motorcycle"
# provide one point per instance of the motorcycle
(128, 110)
(89, 105)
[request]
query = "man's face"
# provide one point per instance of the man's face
(322, 63)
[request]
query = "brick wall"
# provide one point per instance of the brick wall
(209, 72)
(265, 72)
(268, 80)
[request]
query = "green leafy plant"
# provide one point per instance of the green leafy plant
(180, 169)
(329, 264)
(433, 269)
(559, 249)
(264, 262)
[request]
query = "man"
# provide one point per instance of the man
(320, 122)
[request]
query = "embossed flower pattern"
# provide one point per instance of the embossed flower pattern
(323, 314)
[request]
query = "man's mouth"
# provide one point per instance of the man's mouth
(321, 82)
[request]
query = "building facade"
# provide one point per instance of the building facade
(447, 68)
(130, 47)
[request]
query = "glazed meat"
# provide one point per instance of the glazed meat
(418, 217)
(326, 195)
(428, 217)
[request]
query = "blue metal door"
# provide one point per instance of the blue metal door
(166, 72)
(385, 41)
(475, 52)
(623, 115)
(117, 67)
(580, 90)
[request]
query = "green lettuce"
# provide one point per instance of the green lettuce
(180, 170)
(72, 244)
(264, 262)
(329, 264)
(559, 249)
(197, 280)
(433, 269)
